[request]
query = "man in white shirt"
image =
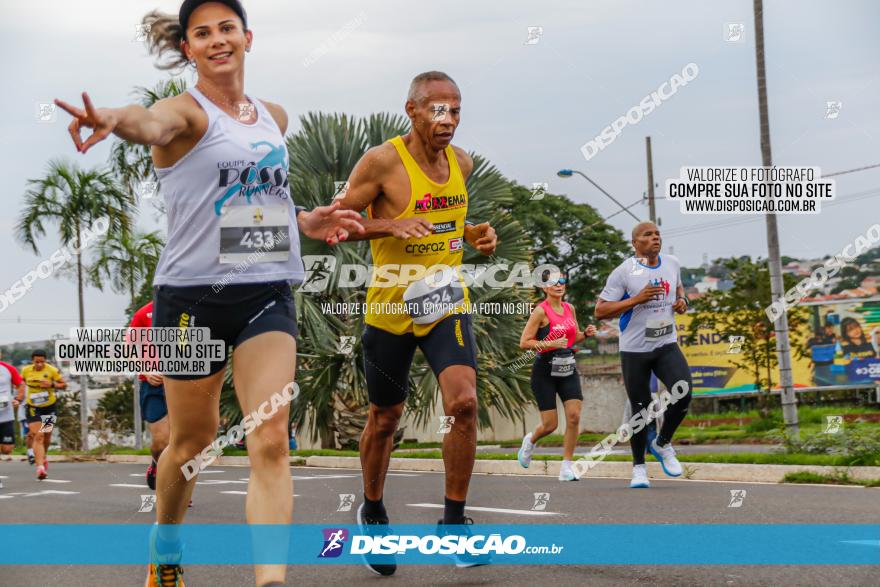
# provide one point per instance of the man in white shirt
(645, 291)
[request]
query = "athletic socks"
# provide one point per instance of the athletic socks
(30, 452)
(453, 511)
(374, 509)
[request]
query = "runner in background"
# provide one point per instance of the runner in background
(152, 399)
(552, 331)
(645, 291)
(11, 396)
(42, 379)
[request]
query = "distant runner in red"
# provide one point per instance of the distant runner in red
(152, 397)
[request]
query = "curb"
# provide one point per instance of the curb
(693, 471)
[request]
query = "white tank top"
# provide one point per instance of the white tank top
(233, 181)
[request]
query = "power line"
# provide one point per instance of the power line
(852, 170)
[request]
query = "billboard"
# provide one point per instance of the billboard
(841, 342)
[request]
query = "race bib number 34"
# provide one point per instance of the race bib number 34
(256, 234)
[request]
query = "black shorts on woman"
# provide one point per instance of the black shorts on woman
(233, 314)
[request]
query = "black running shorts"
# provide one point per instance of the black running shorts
(233, 314)
(388, 357)
(546, 387)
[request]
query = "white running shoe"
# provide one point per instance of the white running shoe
(566, 473)
(640, 477)
(524, 456)
(666, 456)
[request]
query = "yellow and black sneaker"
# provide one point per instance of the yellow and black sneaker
(164, 569)
(165, 576)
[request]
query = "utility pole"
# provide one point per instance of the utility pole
(783, 346)
(651, 210)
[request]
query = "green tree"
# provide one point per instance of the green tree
(126, 260)
(574, 238)
(74, 199)
(115, 409)
(739, 311)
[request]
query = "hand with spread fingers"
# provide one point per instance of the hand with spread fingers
(330, 224)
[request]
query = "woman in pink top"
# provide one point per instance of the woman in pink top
(551, 332)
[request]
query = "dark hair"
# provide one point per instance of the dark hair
(844, 326)
(164, 34)
(38, 353)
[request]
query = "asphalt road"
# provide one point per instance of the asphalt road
(110, 493)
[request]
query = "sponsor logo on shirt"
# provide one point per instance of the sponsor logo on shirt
(455, 244)
(430, 203)
(267, 177)
(425, 248)
(441, 227)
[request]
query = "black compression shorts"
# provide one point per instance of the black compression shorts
(388, 357)
(546, 387)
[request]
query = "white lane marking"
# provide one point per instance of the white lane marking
(5, 497)
(51, 492)
(129, 485)
(245, 493)
(482, 509)
(55, 481)
(308, 477)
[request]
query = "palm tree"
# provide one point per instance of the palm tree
(333, 396)
(74, 199)
(126, 260)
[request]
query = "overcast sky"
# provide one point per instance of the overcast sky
(527, 107)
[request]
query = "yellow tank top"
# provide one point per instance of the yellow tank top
(443, 205)
(40, 396)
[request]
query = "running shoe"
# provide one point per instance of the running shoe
(151, 475)
(164, 569)
(384, 564)
(31, 459)
(465, 560)
(640, 477)
(41, 473)
(666, 456)
(524, 456)
(566, 473)
(165, 576)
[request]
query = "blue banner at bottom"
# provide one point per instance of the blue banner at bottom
(503, 544)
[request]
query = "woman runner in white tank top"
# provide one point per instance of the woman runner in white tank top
(223, 164)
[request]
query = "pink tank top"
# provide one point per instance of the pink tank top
(560, 324)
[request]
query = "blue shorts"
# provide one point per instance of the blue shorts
(153, 406)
